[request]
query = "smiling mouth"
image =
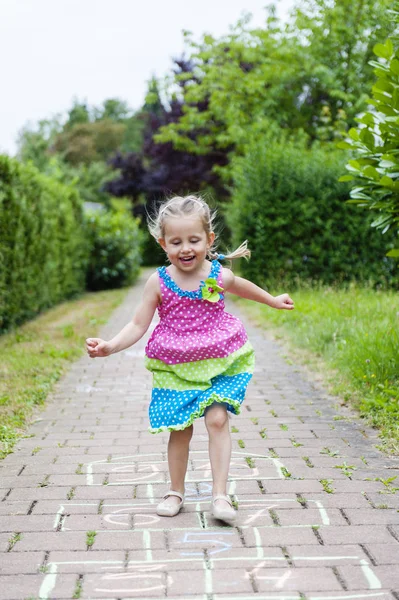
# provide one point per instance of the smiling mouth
(187, 259)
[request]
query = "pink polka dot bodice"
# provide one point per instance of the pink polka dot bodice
(191, 328)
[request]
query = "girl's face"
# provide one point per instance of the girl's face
(185, 242)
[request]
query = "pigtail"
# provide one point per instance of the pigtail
(241, 252)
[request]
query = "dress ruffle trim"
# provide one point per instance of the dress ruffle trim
(198, 413)
(195, 294)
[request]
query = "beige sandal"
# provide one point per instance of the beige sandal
(170, 510)
(228, 515)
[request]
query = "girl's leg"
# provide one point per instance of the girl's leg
(178, 447)
(217, 424)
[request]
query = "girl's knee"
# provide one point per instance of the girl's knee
(182, 434)
(216, 417)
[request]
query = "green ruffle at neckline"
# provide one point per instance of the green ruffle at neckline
(198, 413)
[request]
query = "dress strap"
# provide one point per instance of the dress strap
(195, 294)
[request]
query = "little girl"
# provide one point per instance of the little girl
(199, 354)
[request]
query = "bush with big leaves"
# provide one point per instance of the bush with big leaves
(375, 166)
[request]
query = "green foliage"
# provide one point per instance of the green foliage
(88, 179)
(113, 109)
(89, 142)
(375, 166)
(34, 143)
(238, 80)
(288, 204)
(337, 39)
(43, 248)
(355, 332)
(311, 75)
(78, 114)
(115, 241)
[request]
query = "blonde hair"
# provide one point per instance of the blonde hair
(183, 206)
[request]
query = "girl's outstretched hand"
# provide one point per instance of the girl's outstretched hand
(97, 348)
(284, 301)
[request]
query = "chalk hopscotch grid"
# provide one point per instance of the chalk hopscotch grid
(152, 569)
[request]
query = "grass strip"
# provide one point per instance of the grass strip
(350, 337)
(34, 356)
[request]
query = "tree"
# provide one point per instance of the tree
(84, 143)
(300, 77)
(337, 38)
(375, 168)
(34, 143)
(233, 85)
(161, 169)
(78, 114)
(112, 109)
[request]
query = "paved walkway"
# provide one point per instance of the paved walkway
(78, 519)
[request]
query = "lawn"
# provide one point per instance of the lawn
(34, 356)
(352, 337)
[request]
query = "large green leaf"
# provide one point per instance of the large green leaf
(395, 66)
(384, 50)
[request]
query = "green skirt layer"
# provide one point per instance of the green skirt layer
(198, 374)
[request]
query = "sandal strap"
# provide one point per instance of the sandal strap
(173, 493)
(222, 497)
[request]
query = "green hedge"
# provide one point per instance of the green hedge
(115, 241)
(43, 247)
(287, 202)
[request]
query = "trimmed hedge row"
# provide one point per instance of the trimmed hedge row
(287, 202)
(50, 250)
(43, 248)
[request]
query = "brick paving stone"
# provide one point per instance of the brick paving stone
(279, 536)
(128, 540)
(385, 500)
(51, 507)
(137, 583)
(360, 577)
(106, 473)
(328, 556)
(311, 579)
(51, 540)
(12, 563)
(4, 541)
(372, 515)
(14, 508)
(232, 582)
(214, 541)
(384, 554)
(26, 523)
(359, 594)
(312, 516)
(89, 561)
(359, 534)
(356, 500)
(21, 587)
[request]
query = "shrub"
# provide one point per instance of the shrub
(115, 241)
(43, 248)
(376, 143)
(287, 202)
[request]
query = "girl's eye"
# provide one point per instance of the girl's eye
(194, 241)
(175, 243)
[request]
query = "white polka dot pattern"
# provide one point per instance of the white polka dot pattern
(192, 331)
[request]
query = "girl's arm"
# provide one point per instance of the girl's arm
(246, 289)
(135, 329)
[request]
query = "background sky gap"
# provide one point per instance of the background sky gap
(95, 49)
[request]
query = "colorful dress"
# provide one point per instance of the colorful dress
(198, 354)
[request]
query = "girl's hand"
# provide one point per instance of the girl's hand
(283, 302)
(97, 348)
